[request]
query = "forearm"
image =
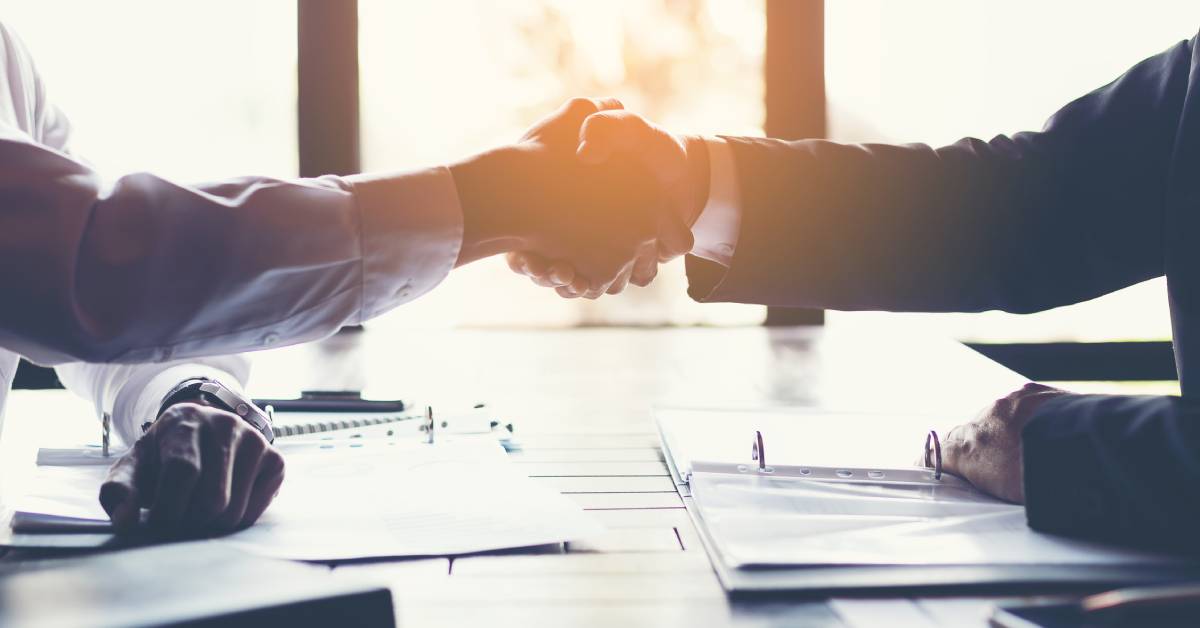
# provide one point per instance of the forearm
(1115, 468)
(1017, 223)
(149, 270)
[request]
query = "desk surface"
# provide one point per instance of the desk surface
(580, 400)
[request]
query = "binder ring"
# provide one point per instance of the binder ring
(936, 450)
(758, 452)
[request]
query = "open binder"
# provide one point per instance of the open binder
(771, 523)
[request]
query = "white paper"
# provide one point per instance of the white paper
(757, 520)
(347, 499)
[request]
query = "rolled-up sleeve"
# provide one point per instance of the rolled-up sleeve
(151, 270)
(398, 269)
(131, 393)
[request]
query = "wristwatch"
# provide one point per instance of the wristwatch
(217, 395)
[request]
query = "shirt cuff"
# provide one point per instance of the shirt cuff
(716, 230)
(412, 228)
(141, 396)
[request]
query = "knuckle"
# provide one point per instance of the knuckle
(273, 462)
(215, 501)
(183, 466)
(252, 445)
(581, 106)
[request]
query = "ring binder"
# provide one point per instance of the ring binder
(931, 474)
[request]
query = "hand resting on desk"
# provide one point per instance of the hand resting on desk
(987, 451)
(199, 470)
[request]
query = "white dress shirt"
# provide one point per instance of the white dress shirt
(716, 229)
(145, 270)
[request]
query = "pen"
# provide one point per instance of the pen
(105, 433)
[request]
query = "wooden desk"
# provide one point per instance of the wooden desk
(581, 403)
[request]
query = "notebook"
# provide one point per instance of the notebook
(780, 513)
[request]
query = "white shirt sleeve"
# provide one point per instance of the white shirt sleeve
(716, 230)
(131, 393)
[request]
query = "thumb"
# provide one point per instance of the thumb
(674, 236)
(606, 132)
(119, 494)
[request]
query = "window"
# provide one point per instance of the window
(937, 71)
(192, 91)
(441, 80)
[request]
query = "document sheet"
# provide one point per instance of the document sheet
(351, 498)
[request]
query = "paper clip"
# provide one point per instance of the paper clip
(936, 450)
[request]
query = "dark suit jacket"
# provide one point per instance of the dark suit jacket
(1105, 196)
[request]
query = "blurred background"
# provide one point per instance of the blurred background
(199, 91)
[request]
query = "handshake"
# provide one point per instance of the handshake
(591, 199)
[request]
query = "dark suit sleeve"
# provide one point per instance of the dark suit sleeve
(1020, 223)
(1116, 468)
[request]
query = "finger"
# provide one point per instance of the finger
(266, 486)
(622, 280)
(562, 273)
(536, 266)
(247, 462)
(598, 289)
(119, 493)
(573, 112)
(607, 103)
(674, 237)
(518, 262)
(178, 472)
(606, 132)
(645, 269)
(218, 440)
(575, 289)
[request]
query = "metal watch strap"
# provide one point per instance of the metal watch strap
(223, 398)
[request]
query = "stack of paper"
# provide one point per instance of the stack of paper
(353, 498)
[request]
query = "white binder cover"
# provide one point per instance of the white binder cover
(794, 526)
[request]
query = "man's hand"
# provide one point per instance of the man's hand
(987, 451)
(198, 469)
(679, 165)
(537, 196)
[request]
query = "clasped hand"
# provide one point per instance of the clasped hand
(592, 198)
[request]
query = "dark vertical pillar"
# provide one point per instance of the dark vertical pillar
(795, 94)
(327, 53)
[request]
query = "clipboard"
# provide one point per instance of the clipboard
(746, 577)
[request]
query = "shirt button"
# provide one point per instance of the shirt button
(270, 339)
